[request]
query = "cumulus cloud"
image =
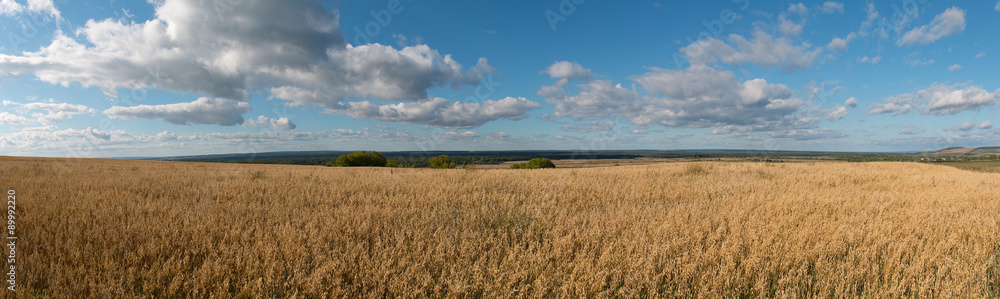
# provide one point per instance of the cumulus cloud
(264, 121)
(789, 27)
(568, 70)
(840, 44)
(873, 60)
(201, 111)
(939, 99)
(967, 126)
(439, 111)
(851, 103)
(295, 50)
(955, 67)
(830, 7)
(986, 125)
(7, 118)
(697, 97)
(951, 21)
(762, 50)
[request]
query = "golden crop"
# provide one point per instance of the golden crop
(108, 228)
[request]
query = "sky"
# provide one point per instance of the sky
(119, 78)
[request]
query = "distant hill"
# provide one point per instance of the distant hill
(964, 152)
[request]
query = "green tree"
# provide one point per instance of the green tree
(392, 163)
(362, 158)
(535, 163)
(442, 161)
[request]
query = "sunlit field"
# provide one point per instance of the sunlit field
(110, 228)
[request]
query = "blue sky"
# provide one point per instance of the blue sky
(181, 77)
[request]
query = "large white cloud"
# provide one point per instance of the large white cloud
(938, 99)
(439, 111)
(697, 97)
(951, 21)
(763, 50)
(201, 111)
(293, 49)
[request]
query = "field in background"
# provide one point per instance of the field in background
(114, 228)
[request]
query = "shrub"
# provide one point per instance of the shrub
(362, 158)
(392, 163)
(442, 161)
(535, 163)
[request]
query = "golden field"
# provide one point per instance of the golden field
(110, 228)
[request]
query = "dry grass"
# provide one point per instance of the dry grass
(102, 228)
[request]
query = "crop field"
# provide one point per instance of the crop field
(116, 228)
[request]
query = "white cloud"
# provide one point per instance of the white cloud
(440, 112)
(981, 55)
(82, 142)
(697, 97)
(986, 125)
(836, 114)
(997, 7)
(954, 67)
(763, 50)
(967, 126)
(851, 103)
(951, 21)
(939, 99)
(53, 111)
(789, 27)
(569, 70)
(874, 60)
(11, 7)
(839, 112)
(945, 100)
(201, 111)
(293, 49)
(799, 9)
(263, 121)
(840, 44)
(830, 7)
(7, 118)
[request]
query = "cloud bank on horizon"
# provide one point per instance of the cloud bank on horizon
(181, 77)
